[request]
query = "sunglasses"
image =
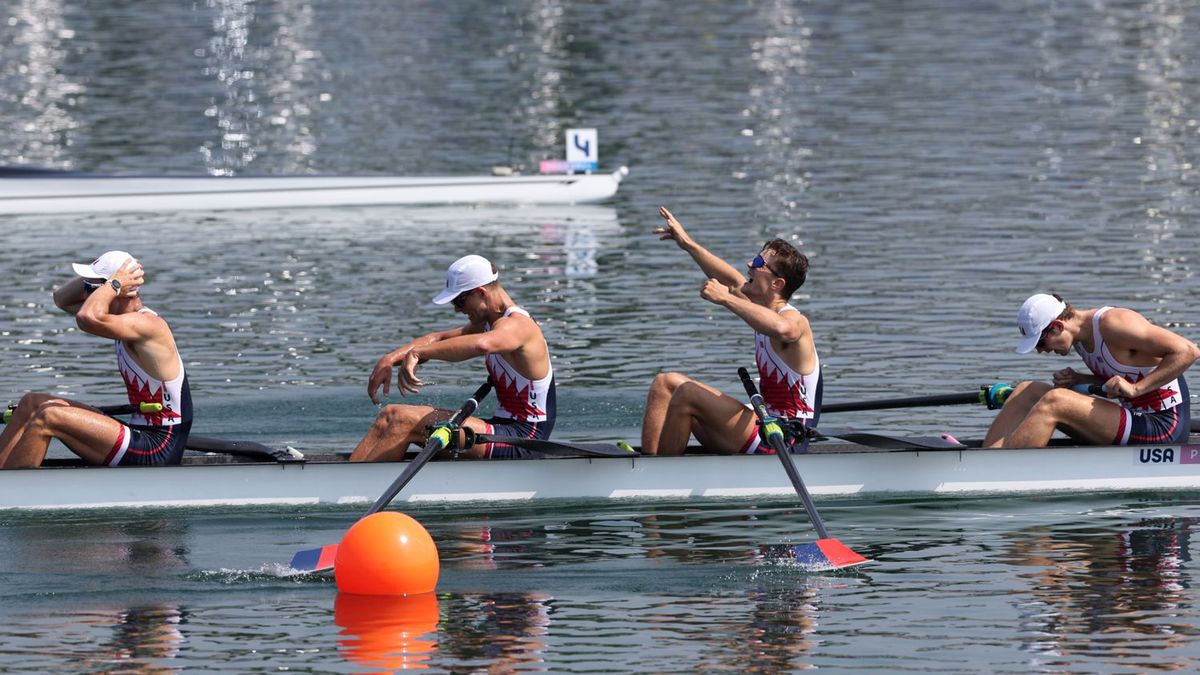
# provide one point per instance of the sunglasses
(461, 299)
(759, 263)
(1041, 343)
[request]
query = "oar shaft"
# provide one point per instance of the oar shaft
(435, 443)
(784, 453)
(913, 402)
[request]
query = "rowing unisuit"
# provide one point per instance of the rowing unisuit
(526, 408)
(787, 393)
(154, 438)
(1160, 416)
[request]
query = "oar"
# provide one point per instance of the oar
(120, 409)
(826, 552)
(993, 396)
(562, 448)
(320, 559)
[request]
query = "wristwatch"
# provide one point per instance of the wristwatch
(116, 285)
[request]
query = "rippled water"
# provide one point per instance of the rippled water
(1045, 585)
(938, 162)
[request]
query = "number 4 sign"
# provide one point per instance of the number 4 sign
(583, 148)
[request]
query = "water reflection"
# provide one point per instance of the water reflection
(36, 89)
(145, 639)
(539, 58)
(1108, 593)
(391, 633)
(777, 117)
(265, 111)
(773, 634)
(138, 546)
(500, 632)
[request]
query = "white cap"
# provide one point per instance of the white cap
(103, 267)
(467, 273)
(1037, 313)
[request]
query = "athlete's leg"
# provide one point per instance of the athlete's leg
(88, 433)
(1024, 396)
(721, 423)
(395, 428)
(398, 426)
(1085, 418)
(12, 431)
(657, 399)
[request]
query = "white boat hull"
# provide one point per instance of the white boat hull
(835, 473)
(41, 194)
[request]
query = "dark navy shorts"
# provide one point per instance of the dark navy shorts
(503, 426)
(149, 446)
(1167, 426)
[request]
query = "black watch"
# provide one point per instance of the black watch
(116, 285)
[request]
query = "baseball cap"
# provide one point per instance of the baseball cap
(466, 273)
(103, 267)
(1035, 314)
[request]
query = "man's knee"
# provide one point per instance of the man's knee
(1054, 402)
(395, 416)
(31, 401)
(1032, 387)
(50, 415)
(668, 382)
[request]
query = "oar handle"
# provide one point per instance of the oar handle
(1091, 389)
(774, 437)
(438, 440)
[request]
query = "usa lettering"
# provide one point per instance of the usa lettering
(1157, 455)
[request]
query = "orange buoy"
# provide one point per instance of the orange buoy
(392, 633)
(386, 553)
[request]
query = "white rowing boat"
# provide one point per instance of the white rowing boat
(829, 470)
(41, 192)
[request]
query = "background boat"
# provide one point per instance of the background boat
(39, 192)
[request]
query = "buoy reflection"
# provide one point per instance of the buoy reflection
(387, 632)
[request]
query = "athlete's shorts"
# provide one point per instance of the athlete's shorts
(1167, 426)
(754, 445)
(503, 426)
(149, 446)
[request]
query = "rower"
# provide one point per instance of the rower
(105, 297)
(1139, 367)
(784, 350)
(515, 354)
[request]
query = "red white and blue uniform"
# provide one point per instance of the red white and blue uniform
(1159, 416)
(156, 438)
(789, 395)
(526, 408)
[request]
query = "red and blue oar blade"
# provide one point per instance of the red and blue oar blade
(826, 554)
(315, 559)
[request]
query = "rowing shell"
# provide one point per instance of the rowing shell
(41, 192)
(830, 470)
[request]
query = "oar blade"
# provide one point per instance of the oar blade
(826, 554)
(315, 559)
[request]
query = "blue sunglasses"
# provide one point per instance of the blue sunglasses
(758, 262)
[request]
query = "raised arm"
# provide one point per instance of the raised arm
(784, 326)
(70, 296)
(95, 316)
(712, 266)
